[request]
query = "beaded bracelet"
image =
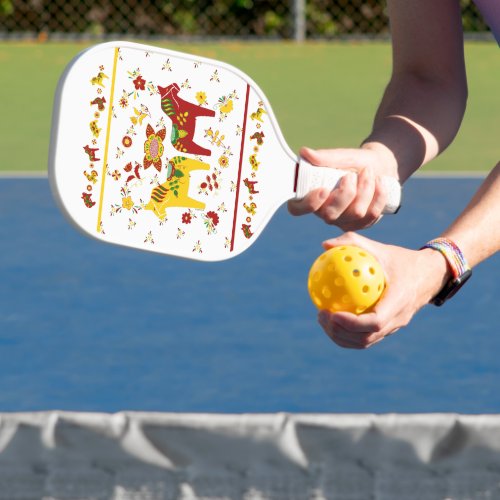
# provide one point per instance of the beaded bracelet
(451, 253)
(459, 267)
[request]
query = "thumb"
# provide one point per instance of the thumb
(349, 238)
(353, 159)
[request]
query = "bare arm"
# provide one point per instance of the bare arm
(477, 229)
(418, 117)
(424, 102)
(419, 114)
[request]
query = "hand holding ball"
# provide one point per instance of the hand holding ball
(346, 278)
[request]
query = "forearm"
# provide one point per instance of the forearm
(424, 103)
(416, 121)
(477, 230)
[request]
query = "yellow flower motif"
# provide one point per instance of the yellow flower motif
(123, 102)
(127, 203)
(227, 107)
(223, 161)
(201, 97)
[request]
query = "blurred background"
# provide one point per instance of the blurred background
(88, 327)
(338, 49)
(260, 348)
(283, 19)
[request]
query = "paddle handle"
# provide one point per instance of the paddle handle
(312, 177)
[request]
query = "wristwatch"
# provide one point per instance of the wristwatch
(460, 270)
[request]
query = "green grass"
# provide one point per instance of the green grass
(324, 95)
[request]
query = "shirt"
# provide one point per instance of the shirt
(490, 9)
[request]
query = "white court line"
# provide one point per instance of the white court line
(23, 175)
(454, 174)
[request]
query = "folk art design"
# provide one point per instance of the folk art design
(183, 115)
(174, 192)
(172, 148)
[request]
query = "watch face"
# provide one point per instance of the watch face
(451, 288)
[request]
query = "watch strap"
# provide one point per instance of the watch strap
(457, 263)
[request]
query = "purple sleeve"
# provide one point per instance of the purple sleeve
(490, 9)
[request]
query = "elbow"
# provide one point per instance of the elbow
(447, 86)
(459, 95)
(444, 94)
(462, 96)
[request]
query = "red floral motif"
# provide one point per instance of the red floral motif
(211, 183)
(214, 217)
(128, 168)
(186, 218)
(140, 83)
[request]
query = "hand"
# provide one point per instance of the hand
(358, 200)
(413, 278)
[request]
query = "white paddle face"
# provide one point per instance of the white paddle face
(166, 152)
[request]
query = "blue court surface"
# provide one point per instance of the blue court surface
(92, 327)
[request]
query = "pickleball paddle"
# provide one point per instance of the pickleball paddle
(172, 153)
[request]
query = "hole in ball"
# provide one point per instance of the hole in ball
(346, 299)
(317, 300)
(366, 289)
(356, 273)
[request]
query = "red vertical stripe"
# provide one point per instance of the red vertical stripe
(243, 135)
(296, 179)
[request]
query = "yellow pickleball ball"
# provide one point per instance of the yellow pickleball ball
(346, 278)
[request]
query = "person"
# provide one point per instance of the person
(418, 117)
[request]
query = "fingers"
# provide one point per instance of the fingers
(340, 198)
(364, 209)
(365, 330)
(356, 202)
(379, 201)
(365, 190)
(368, 206)
(352, 238)
(355, 332)
(409, 284)
(310, 203)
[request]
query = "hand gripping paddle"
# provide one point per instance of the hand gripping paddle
(172, 153)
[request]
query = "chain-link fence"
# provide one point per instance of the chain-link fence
(207, 18)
